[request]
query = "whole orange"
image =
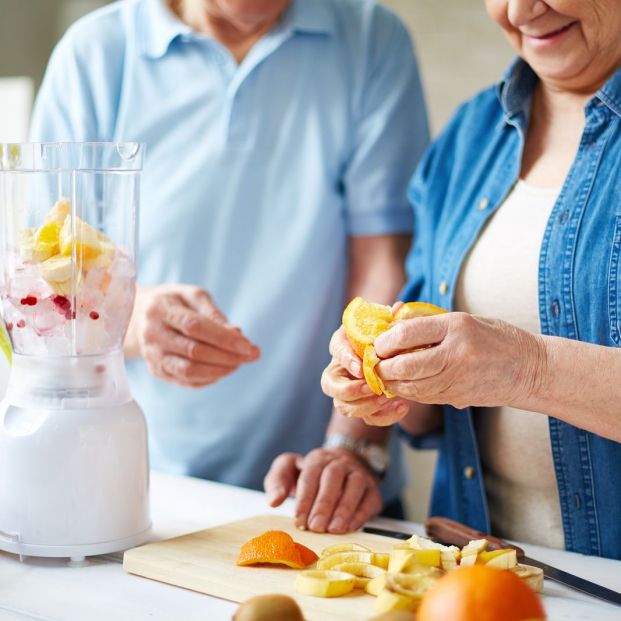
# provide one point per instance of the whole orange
(480, 593)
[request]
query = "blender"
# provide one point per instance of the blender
(74, 477)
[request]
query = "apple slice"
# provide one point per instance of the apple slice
(503, 559)
(470, 552)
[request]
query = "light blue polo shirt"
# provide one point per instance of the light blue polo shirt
(256, 176)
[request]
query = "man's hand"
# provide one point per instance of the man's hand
(183, 337)
(335, 491)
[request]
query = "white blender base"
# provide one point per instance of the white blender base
(74, 476)
(77, 552)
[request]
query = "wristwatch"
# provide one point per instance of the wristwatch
(374, 455)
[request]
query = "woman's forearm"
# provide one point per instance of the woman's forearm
(423, 419)
(579, 383)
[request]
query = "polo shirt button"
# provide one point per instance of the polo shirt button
(469, 472)
(483, 204)
(443, 288)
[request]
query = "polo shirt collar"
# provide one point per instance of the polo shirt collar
(158, 26)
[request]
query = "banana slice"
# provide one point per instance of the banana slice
(381, 559)
(376, 585)
(324, 583)
(57, 269)
(328, 562)
(343, 547)
(532, 576)
(363, 572)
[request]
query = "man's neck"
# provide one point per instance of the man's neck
(236, 34)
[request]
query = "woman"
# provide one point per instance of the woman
(519, 229)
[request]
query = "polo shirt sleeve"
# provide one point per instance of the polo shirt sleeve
(77, 98)
(390, 132)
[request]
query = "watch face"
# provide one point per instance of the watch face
(377, 457)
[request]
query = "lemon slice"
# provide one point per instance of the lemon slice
(324, 583)
(343, 547)
(328, 562)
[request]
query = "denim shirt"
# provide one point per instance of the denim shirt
(464, 177)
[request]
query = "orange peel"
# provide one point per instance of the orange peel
(275, 547)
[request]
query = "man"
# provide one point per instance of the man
(281, 134)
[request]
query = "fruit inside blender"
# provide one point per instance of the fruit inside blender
(71, 289)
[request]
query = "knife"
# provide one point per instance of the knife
(450, 532)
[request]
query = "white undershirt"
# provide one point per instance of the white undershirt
(500, 279)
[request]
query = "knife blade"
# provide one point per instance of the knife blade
(449, 532)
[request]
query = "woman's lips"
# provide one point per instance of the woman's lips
(549, 38)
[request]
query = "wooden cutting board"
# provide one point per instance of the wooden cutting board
(205, 561)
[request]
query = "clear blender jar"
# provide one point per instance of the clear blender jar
(73, 445)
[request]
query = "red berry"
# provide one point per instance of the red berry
(29, 300)
(21, 324)
(9, 326)
(94, 315)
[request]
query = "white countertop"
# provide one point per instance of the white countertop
(49, 590)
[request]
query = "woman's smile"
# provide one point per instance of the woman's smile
(550, 38)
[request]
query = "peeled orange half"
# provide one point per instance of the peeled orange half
(364, 322)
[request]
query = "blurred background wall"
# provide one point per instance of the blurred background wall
(460, 50)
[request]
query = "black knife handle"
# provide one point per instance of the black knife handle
(453, 533)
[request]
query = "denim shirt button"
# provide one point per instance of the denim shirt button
(556, 309)
(483, 204)
(564, 216)
(469, 472)
(443, 288)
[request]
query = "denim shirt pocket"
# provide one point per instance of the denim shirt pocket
(614, 284)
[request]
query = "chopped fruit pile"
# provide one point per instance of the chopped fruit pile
(400, 579)
(364, 322)
(69, 290)
(278, 548)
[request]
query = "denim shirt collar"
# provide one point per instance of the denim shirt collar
(516, 88)
(157, 26)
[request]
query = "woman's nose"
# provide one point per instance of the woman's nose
(522, 12)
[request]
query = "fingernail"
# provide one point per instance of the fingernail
(243, 347)
(366, 389)
(275, 495)
(382, 400)
(354, 367)
(316, 524)
(337, 525)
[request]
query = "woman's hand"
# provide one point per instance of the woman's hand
(468, 361)
(183, 337)
(334, 490)
(342, 381)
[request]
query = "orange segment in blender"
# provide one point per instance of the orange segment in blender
(275, 547)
